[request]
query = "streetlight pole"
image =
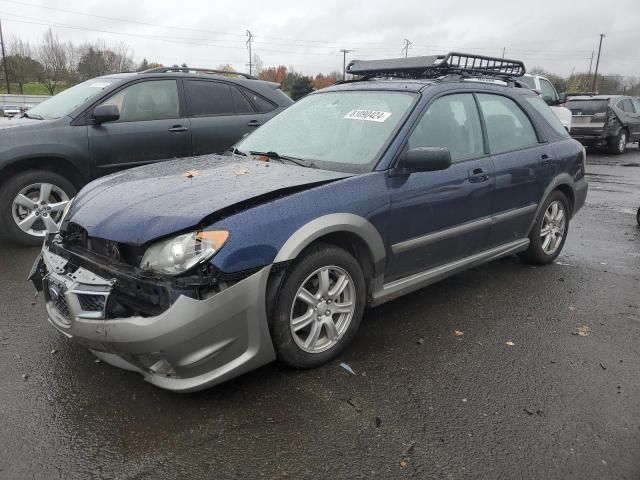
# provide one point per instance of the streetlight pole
(344, 62)
(595, 75)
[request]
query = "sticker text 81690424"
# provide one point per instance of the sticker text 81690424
(368, 115)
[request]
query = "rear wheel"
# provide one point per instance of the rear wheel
(549, 231)
(319, 307)
(32, 202)
(618, 144)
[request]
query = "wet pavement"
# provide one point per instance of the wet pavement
(562, 402)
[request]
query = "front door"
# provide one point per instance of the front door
(150, 128)
(437, 217)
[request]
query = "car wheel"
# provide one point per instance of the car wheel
(618, 144)
(319, 307)
(32, 202)
(549, 231)
(638, 216)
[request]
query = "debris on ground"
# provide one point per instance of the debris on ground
(347, 368)
(241, 171)
(191, 173)
(378, 422)
(602, 365)
(464, 400)
(420, 341)
(403, 463)
(510, 343)
(458, 333)
(582, 331)
(97, 360)
(25, 376)
(353, 404)
(53, 351)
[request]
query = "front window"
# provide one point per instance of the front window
(68, 100)
(145, 101)
(343, 131)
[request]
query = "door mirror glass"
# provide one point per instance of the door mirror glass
(426, 159)
(106, 113)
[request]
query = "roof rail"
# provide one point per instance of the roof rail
(198, 70)
(437, 65)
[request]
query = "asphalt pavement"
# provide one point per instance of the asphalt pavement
(504, 371)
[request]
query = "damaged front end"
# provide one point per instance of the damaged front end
(183, 333)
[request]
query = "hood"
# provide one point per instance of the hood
(139, 205)
(15, 124)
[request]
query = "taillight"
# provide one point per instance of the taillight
(584, 158)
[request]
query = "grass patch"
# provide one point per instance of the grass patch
(31, 88)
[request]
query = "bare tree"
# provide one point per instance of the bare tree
(54, 58)
(21, 66)
(258, 64)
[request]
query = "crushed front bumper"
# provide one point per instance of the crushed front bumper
(192, 345)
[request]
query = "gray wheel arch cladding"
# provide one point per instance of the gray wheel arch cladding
(334, 223)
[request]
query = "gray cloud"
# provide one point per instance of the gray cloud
(556, 36)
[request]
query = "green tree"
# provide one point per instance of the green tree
(302, 86)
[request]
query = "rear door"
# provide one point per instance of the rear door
(518, 157)
(220, 114)
(438, 217)
(151, 128)
(632, 118)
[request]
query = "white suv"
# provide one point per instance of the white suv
(549, 95)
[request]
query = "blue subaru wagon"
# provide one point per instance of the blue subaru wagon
(195, 271)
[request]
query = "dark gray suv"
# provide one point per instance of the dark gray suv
(114, 122)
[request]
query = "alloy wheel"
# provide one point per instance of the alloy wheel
(38, 207)
(553, 227)
(622, 144)
(322, 309)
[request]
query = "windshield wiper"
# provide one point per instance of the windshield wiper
(32, 116)
(277, 156)
(235, 151)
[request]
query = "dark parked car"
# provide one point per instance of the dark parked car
(605, 120)
(115, 122)
(353, 196)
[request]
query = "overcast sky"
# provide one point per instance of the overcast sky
(551, 34)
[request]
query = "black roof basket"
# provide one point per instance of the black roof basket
(197, 70)
(437, 65)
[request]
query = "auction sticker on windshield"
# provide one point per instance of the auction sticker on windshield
(369, 115)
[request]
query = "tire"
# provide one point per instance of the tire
(289, 340)
(618, 144)
(31, 185)
(638, 216)
(540, 252)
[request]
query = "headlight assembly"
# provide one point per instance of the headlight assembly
(178, 254)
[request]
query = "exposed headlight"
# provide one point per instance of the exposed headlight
(178, 254)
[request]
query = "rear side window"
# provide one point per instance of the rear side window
(628, 106)
(205, 98)
(636, 104)
(508, 127)
(544, 110)
(453, 122)
(261, 104)
(240, 102)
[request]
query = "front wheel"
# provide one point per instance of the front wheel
(319, 307)
(31, 204)
(549, 231)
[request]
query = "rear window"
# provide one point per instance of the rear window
(586, 107)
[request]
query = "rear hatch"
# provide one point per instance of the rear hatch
(588, 117)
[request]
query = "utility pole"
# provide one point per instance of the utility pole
(595, 75)
(407, 45)
(503, 50)
(4, 61)
(249, 42)
(590, 65)
(344, 62)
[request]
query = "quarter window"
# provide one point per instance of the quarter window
(205, 98)
(453, 122)
(156, 100)
(260, 104)
(628, 106)
(508, 127)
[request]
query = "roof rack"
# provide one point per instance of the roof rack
(438, 65)
(198, 70)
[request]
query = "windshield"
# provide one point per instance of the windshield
(586, 107)
(343, 131)
(66, 101)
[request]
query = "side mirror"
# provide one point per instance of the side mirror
(425, 159)
(105, 113)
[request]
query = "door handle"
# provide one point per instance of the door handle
(478, 175)
(178, 128)
(545, 159)
(254, 123)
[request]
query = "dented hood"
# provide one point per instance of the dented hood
(139, 205)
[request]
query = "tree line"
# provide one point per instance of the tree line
(57, 64)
